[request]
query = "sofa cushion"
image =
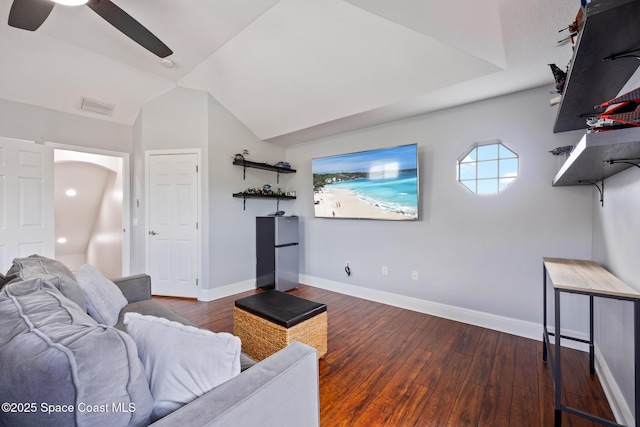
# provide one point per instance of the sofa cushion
(181, 362)
(150, 308)
(56, 272)
(103, 298)
(154, 308)
(56, 356)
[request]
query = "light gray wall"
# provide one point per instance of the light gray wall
(41, 125)
(232, 229)
(477, 252)
(616, 245)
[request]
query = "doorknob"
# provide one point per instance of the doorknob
(153, 233)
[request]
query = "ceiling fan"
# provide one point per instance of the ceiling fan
(30, 14)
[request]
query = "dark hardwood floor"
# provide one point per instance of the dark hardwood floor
(387, 366)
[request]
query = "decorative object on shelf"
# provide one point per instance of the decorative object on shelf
(240, 156)
(574, 27)
(622, 111)
(283, 165)
(565, 150)
(560, 78)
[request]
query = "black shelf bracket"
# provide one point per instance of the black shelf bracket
(635, 54)
(599, 187)
(633, 162)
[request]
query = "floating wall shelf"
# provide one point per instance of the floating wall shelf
(264, 166)
(600, 155)
(604, 59)
(246, 196)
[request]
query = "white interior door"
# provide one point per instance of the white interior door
(26, 200)
(172, 236)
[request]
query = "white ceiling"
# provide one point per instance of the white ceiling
(291, 70)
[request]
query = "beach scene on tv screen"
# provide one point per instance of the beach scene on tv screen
(375, 184)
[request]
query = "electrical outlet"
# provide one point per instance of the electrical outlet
(414, 275)
(385, 270)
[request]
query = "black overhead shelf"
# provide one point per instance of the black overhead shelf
(611, 28)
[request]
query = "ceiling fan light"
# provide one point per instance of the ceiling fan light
(71, 2)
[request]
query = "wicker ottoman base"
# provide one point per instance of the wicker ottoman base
(261, 338)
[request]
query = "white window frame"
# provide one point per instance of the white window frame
(502, 182)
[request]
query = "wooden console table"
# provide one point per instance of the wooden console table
(585, 278)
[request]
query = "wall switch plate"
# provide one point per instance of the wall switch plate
(385, 270)
(414, 275)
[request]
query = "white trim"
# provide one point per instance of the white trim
(147, 157)
(505, 324)
(619, 406)
(126, 194)
(227, 290)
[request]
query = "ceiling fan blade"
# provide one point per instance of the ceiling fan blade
(129, 27)
(29, 14)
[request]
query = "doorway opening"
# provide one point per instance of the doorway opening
(91, 202)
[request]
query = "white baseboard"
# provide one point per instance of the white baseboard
(225, 291)
(473, 317)
(619, 406)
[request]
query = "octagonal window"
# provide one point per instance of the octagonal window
(488, 168)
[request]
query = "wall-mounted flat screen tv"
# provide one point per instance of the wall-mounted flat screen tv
(374, 184)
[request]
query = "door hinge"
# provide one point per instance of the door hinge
(197, 282)
(196, 225)
(196, 168)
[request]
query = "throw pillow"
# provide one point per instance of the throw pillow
(103, 298)
(181, 362)
(57, 273)
(57, 358)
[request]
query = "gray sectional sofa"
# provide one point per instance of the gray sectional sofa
(59, 367)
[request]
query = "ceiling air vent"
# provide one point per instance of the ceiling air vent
(98, 107)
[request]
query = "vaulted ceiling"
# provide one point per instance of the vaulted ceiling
(290, 70)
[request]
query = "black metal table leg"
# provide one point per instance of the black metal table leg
(636, 345)
(544, 313)
(592, 357)
(557, 373)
